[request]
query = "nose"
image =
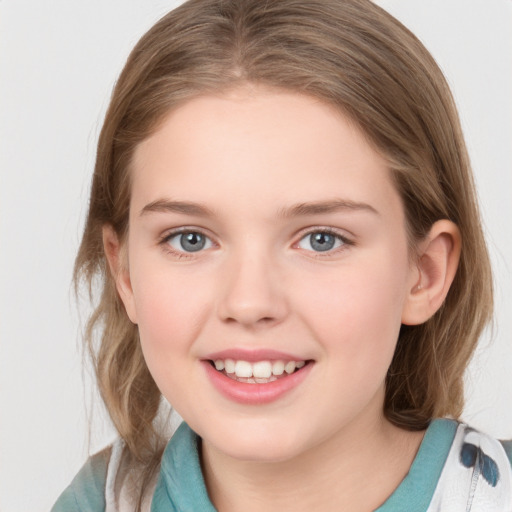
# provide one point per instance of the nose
(253, 292)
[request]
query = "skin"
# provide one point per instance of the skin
(247, 158)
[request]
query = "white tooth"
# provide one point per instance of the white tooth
(278, 368)
(243, 369)
(290, 367)
(300, 364)
(229, 366)
(219, 365)
(262, 369)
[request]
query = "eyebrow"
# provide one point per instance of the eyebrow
(168, 206)
(323, 207)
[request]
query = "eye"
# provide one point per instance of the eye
(188, 241)
(321, 241)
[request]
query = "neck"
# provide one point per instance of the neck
(360, 467)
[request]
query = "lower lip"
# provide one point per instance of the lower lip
(255, 394)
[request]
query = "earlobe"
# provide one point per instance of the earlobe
(118, 265)
(437, 262)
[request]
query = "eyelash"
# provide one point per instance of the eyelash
(345, 242)
(164, 242)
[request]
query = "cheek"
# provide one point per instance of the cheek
(356, 311)
(171, 308)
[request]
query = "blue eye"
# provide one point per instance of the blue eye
(189, 241)
(321, 241)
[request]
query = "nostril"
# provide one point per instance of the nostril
(248, 319)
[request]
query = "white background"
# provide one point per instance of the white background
(58, 62)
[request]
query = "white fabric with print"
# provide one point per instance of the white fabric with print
(476, 477)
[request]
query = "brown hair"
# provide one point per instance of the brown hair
(355, 57)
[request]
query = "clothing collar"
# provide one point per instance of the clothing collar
(416, 490)
(181, 486)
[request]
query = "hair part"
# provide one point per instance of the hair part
(354, 56)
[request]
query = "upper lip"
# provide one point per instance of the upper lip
(251, 356)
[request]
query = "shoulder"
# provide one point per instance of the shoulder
(473, 446)
(108, 482)
(477, 472)
(87, 490)
(465, 439)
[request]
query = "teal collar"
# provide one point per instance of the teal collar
(415, 492)
(181, 487)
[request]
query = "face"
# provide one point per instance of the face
(265, 232)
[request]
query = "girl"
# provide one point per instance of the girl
(284, 222)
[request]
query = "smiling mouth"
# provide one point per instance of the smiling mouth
(259, 372)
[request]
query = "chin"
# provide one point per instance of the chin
(257, 443)
(262, 452)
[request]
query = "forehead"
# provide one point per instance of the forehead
(261, 147)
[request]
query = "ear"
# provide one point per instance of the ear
(438, 259)
(118, 264)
